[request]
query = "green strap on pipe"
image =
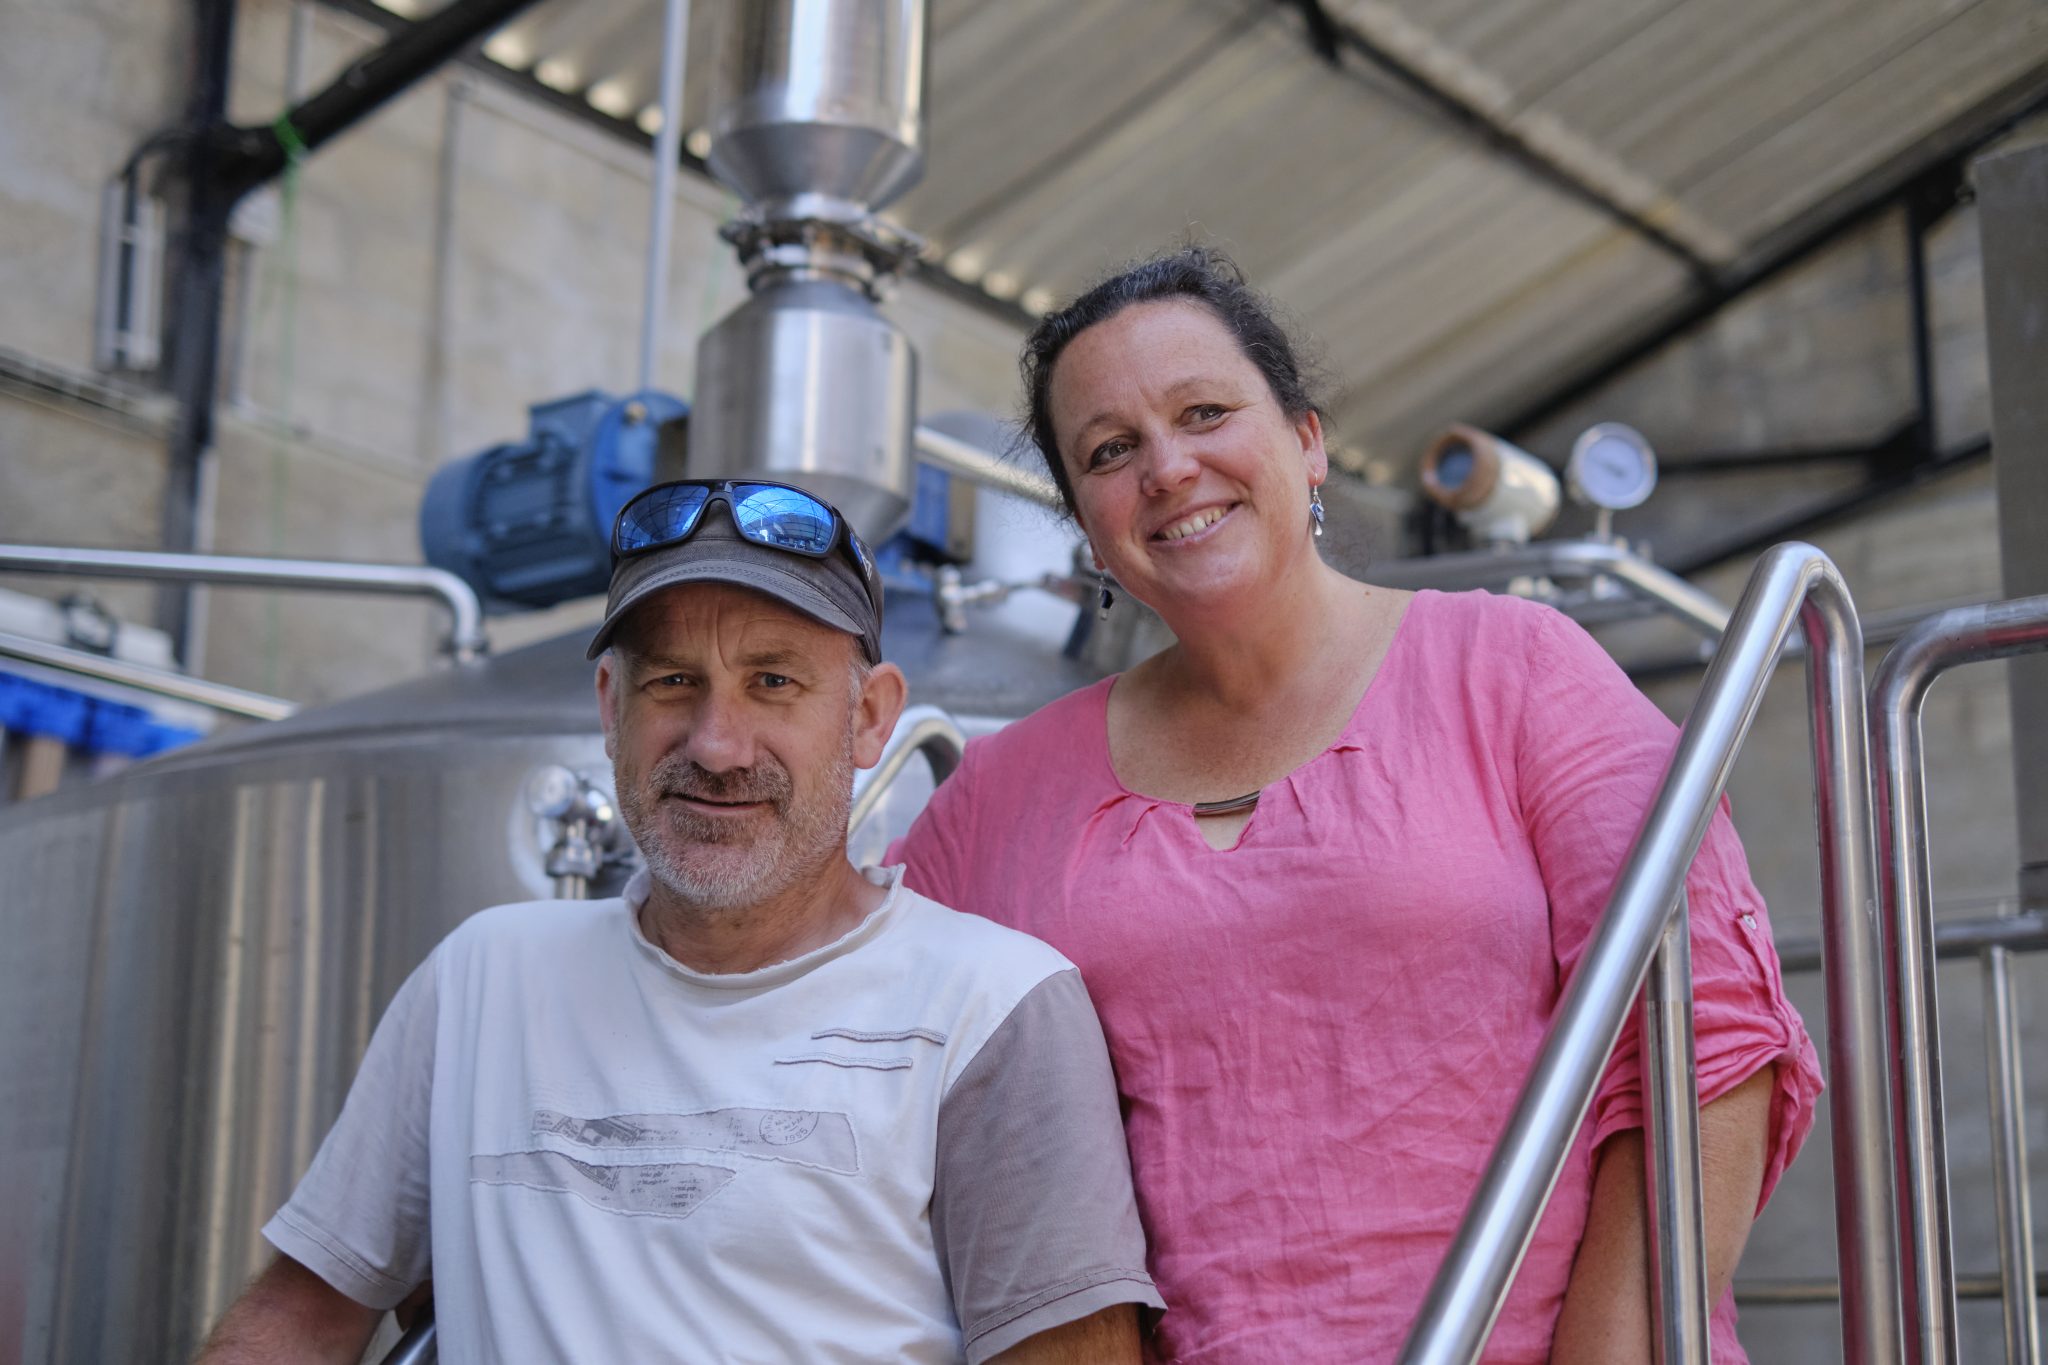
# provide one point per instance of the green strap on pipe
(288, 138)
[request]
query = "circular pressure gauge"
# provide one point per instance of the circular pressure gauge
(1612, 466)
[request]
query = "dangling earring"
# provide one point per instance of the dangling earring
(1315, 509)
(1108, 600)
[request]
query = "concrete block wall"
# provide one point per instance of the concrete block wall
(465, 252)
(1821, 357)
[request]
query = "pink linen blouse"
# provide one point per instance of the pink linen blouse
(1319, 1032)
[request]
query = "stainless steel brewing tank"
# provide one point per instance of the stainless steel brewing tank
(197, 950)
(807, 381)
(810, 99)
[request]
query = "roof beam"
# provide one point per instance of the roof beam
(1937, 161)
(1906, 474)
(1479, 102)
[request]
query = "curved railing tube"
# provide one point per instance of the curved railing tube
(1898, 691)
(920, 729)
(159, 682)
(419, 1346)
(1793, 586)
(466, 616)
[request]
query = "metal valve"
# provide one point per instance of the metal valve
(584, 824)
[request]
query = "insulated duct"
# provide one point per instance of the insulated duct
(815, 110)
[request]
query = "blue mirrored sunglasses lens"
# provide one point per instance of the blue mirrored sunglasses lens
(784, 518)
(664, 515)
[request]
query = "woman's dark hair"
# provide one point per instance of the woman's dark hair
(1197, 274)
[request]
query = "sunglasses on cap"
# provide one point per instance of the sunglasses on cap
(776, 515)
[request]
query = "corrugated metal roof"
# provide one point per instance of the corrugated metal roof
(1448, 272)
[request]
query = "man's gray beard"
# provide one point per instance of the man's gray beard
(693, 857)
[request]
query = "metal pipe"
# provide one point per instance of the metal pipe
(971, 462)
(2009, 1162)
(2024, 932)
(920, 729)
(419, 1345)
(1795, 1291)
(161, 682)
(1671, 1155)
(1792, 585)
(668, 149)
(1561, 559)
(466, 628)
(1898, 693)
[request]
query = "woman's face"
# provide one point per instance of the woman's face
(1188, 478)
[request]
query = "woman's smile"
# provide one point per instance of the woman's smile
(1195, 527)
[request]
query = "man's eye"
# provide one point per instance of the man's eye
(1206, 412)
(775, 681)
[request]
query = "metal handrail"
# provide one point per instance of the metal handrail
(161, 682)
(1898, 691)
(1561, 559)
(466, 626)
(1792, 585)
(920, 729)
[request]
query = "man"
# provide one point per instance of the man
(766, 1107)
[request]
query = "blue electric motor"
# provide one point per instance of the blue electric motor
(528, 524)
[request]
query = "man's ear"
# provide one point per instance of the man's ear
(881, 702)
(608, 683)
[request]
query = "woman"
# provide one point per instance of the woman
(1325, 864)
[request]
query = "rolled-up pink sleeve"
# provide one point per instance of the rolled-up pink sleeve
(1591, 753)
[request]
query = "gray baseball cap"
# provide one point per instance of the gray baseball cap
(829, 590)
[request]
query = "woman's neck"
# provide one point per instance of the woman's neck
(1294, 631)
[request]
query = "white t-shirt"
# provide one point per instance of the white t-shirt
(904, 1146)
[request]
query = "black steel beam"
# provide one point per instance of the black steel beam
(1749, 461)
(1906, 477)
(257, 155)
(221, 164)
(1884, 193)
(1501, 139)
(196, 291)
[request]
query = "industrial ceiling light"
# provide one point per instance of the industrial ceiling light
(610, 96)
(1500, 492)
(557, 73)
(508, 49)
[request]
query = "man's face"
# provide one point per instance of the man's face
(735, 724)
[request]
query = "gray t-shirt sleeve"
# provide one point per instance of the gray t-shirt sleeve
(359, 1219)
(1032, 1209)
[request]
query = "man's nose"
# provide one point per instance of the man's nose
(721, 737)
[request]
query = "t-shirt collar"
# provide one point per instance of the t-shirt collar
(775, 973)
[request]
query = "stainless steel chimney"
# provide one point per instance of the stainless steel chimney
(816, 114)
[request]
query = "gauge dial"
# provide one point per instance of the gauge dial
(1612, 466)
